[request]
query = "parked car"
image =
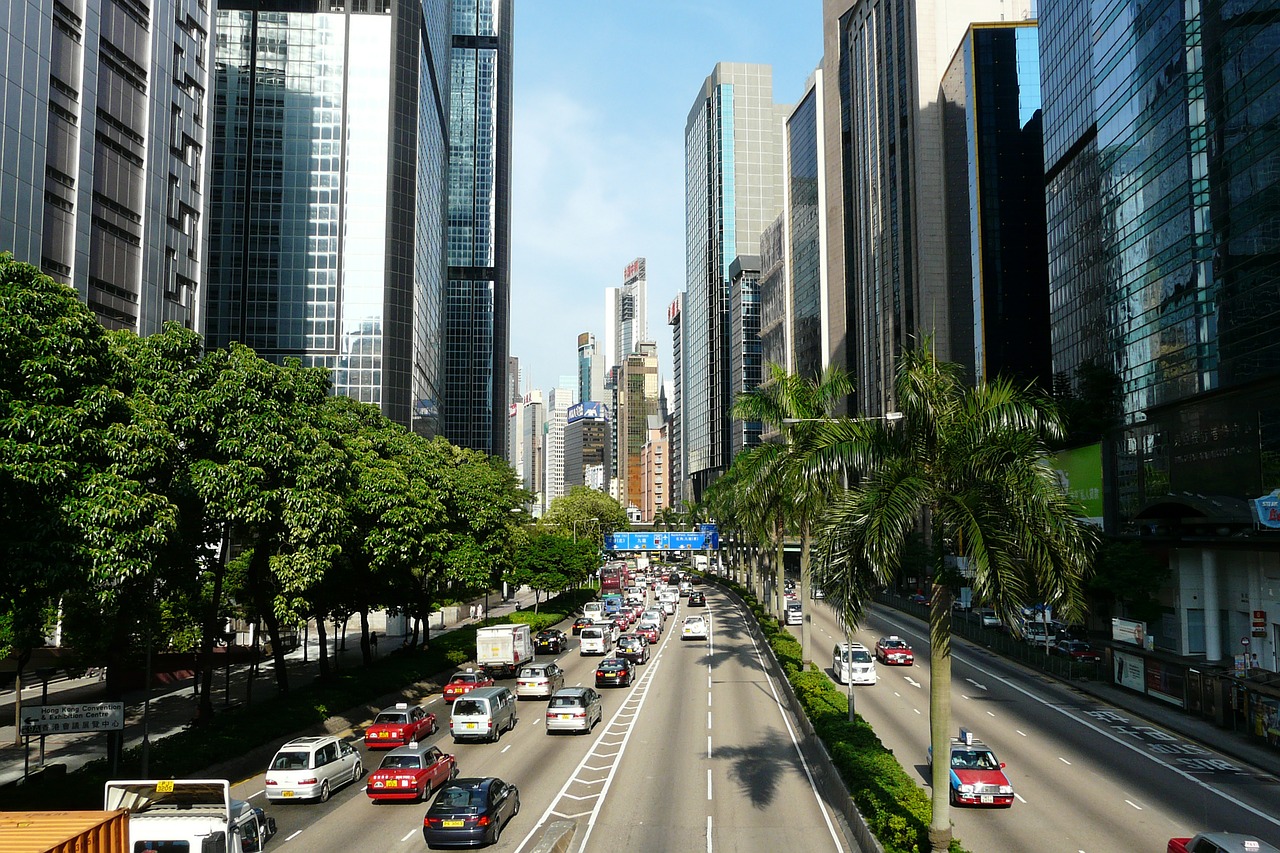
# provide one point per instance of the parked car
(550, 642)
(1077, 650)
(411, 773)
(574, 709)
(399, 725)
(539, 680)
(470, 812)
(615, 672)
(311, 768)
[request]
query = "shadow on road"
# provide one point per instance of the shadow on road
(757, 769)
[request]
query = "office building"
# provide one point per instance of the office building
(515, 414)
(326, 215)
(637, 400)
(744, 347)
(995, 205)
(478, 297)
(591, 369)
(733, 190)
(674, 434)
(102, 174)
(586, 446)
(559, 401)
(884, 63)
(533, 469)
(626, 311)
(805, 240)
(774, 340)
(1175, 151)
(654, 471)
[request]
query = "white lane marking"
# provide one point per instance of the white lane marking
(708, 719)
(1135, 805)
(963, 696)
(255, 794)
(709, 784)
(1019, 796)
(296, 834)
(913, 682)
(708, 746)
(990, 714)
(708, 833)
(1067, 712)
(976, 684)
(505, 748)
(1021, 732)
(536, 720)
(411, 834)
(708, 698)
(917, 710)
(1063, 760)
(822, 807)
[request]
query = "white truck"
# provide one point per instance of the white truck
(189, 814)
(502, 649)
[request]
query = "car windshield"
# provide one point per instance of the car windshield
(894, 644)
(391, 719)
(860, 656)
(401, 762)
(291, 761)
(467, 706)
(970, 759)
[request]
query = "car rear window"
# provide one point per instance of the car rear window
(401, 762)
(291, 761)
(467, 706)
(391, 719)
(531, 672)
(565, 702)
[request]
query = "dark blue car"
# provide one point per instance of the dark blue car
(470, 812)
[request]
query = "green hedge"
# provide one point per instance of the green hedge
(237, 731)
(896, 809)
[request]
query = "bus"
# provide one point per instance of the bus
(612, 578)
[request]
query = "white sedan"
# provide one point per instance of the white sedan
(695, 628)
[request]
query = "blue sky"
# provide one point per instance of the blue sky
(602, 91)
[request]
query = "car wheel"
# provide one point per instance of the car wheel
(324, 791)
(357, 771)
(517, 811)
(435, 727)
(951, 796)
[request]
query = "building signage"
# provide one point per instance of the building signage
(1080, 475)
(1266, 510)
(592, 410)
(1259, 623)
(66, 719)
(1130, 671)
(673, 310)
(1129, 631)
(634, 270)
(661, 541)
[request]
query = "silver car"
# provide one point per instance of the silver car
(538, 680)
(574, 709)
(312, 768)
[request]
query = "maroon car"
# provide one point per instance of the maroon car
(1078, 650)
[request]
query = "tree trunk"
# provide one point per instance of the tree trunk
(23, 657)
(780, 575)
(366, 651)
(212, 629)
(322, 639)
(940, 709)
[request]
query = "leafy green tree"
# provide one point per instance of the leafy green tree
(1128, 573)
(1091, 402)
(972, 464)
(796, 406)
(548, 562)
(585, 509)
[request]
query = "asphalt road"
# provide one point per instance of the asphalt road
(643, 780)
(1089, 777)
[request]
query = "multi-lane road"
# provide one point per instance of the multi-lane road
(1089, 778)
(697, 755)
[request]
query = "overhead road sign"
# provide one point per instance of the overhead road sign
(661, 541)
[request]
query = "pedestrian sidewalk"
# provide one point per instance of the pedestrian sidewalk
(173, 707)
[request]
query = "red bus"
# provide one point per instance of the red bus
(611, 578)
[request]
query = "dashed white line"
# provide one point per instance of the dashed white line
(708, 698)
(505, 748)
(708, 833)
(1019, 731)
(708, 746)
(299, 832)
(1019, 796)
(411, 834)
(917, 710)
(1063, 760)
(1135, 805)
(255, 794)
(990, 714)
(709, 784)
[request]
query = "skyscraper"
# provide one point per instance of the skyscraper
(591, 369)
(326, 216)
(744, 347)
(626, 310)
(561, 399)
(478, 298)
(103, 182)
(885, 61)
(733, 190)
(637, 401)
(674, 464)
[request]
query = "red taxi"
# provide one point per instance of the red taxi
(977, 778)
(411, 773)
(463, 683)
(894, 651)
(399, 725)
(648, 630)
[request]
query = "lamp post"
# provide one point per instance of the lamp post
(806, 573)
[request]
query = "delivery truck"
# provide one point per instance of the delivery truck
(503, 649)
(65, 832)
(189, 814)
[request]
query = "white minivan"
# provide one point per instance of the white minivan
(483, 714)
(853, 664)
(595, 640)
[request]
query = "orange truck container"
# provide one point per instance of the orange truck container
(64, 832)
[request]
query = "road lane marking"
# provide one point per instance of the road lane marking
(505, 748)
(258, 793)
(708, 833)
(708, 719)
(1019, 796)
(411, 834)
(976, 684)
(708, 746)
(1135, 805)
(1063, 760)
(917, 710)
(913, 682)
(1021, 732)
(295, 835)
(709, 784)
(991, 714)
(708, 698)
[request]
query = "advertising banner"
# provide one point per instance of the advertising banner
(1129, 631)
(1130, 671)
(1080, 473)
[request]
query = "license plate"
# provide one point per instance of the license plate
(611, 675)
(471, 725)
(452, 824)
(286, 793)
(392, 783)
(384, 734)
(987, 798)
(566, 716)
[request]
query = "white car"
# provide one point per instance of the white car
(695, 628)
(853, 664)
(312, 768)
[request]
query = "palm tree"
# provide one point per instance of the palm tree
(970, 465)
(796, 405)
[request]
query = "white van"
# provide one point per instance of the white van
(594, 610)
(596, 640)
(483, 714)
(853, 664)
(795, 613)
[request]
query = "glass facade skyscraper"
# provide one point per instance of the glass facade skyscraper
(997, 260)
(804, 239)
(745, 365)
(477, 303)
(733, 190)
(321, 238)
(102, 151)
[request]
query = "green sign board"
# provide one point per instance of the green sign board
(1080, 470)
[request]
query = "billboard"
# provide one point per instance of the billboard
(1080, 473)
(594, 411)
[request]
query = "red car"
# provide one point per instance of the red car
(1078, 650)
(649, 631)
(977, 778)
(894, 651)
(411, 773)
(622, 622)
(399, 725)
(463, 683)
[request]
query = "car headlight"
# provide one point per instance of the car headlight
(1006, 789)
(966, 789)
